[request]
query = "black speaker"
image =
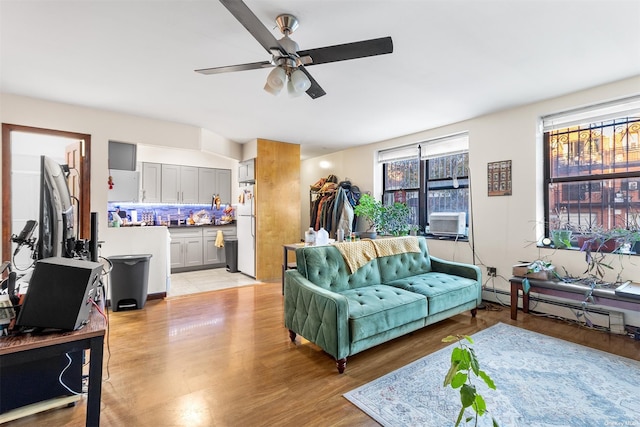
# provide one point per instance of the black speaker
(59, 294)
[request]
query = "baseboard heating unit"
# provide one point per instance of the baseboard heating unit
(599, 316)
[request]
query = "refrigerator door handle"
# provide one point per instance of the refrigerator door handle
(253, 227)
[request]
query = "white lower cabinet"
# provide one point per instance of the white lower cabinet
(186, 247)
(195, 248)
(212, 253)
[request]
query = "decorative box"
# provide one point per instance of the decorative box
(520, 270)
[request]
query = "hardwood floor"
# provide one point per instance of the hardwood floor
(224, 358)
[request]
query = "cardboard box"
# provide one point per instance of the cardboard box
(520, 270)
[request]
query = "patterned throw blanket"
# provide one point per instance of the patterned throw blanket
(357, 254)
(395, 246)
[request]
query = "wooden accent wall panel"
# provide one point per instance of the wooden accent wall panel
(277, 193)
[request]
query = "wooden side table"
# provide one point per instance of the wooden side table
(286, 265)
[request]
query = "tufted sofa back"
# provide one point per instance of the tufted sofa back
(399, 266)
(326, 268)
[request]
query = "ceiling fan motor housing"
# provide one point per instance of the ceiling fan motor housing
(287, 23)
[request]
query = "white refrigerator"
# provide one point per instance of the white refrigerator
(246, 231)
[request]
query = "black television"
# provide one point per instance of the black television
(56, 233)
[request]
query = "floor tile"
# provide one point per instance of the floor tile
(191, 282)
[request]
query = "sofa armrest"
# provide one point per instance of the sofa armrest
(469, 271)
(317, 314)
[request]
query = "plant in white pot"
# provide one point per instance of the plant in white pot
(371, 210)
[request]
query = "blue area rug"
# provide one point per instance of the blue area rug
(541, 381)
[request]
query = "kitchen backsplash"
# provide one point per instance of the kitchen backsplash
(165, 214)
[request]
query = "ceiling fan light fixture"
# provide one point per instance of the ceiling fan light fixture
(275, 81)
(293, 93)
(300, 81)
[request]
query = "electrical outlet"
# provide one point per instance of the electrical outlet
(491, 271)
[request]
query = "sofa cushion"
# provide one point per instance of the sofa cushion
(407, 264)
(326, 268)
(379, 308)
(443, 291)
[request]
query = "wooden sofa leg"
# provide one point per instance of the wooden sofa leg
(474, 311)
(292, 335)
(341, 364)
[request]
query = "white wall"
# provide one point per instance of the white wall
(505, 227)
(105, 125)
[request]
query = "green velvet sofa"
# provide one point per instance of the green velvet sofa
(346, 312)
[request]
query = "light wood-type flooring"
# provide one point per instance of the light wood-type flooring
(224, 358)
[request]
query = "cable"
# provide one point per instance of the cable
(13, 259)
(473, 239)
(105, 312)
(62, 373)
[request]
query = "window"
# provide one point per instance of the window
(430, 177)
(592, 168)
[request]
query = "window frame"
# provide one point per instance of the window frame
(405, 153)
(594, 120)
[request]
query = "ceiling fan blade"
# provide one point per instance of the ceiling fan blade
(251, 22)
(347, 51)
(315, 91)
(240, 67)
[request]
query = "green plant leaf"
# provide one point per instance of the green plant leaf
(468, 338)
(464, 361)
(453, 369)
(495, 423)
(450, 338)
(479, 405)
(459, 379)
(473, 361)
(457, 354)
(467, 395)
(487, 379)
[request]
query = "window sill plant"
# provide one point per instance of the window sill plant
(392, 220)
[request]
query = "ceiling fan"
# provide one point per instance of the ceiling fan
(288, 61)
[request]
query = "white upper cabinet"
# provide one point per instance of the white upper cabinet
(223, 185)
(206, 184)
(212, 182)
(179, 184)
(246, 171)
(188, 184)
(151, 183)
(125, 186)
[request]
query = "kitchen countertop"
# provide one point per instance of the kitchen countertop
(174, 225)
(199, 225)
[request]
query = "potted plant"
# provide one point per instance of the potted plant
(560, 230)
(371, 210)
(464, 367)
(597, 239)
(395, 219)
(561, 238)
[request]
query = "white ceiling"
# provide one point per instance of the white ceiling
(452, 60)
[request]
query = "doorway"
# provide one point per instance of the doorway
(78, 157)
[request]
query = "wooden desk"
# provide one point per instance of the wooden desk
(286, 265)
(573, 291)
(17, 349)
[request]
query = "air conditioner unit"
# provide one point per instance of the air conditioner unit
(448, 223)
